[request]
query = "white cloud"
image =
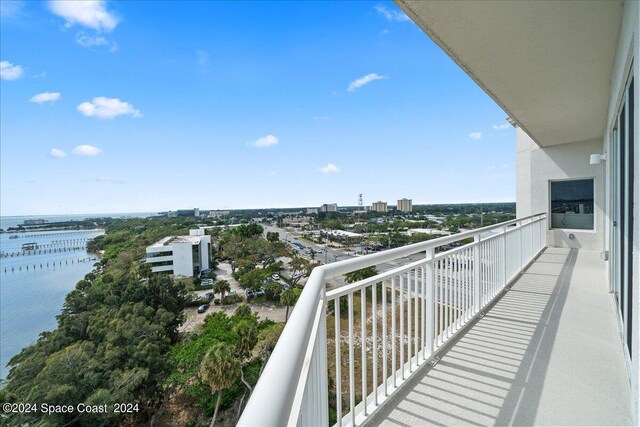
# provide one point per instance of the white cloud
(475, 135)
(107, 108)
(43, 97)
(57, 153)
(9, 71)
(86, 150)
(329, 168)
(85, 40)
(265, 141)
(502, 126)
(391, 15)
(89, 13)
(358, 83)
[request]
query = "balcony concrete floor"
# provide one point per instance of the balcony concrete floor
(547, 353)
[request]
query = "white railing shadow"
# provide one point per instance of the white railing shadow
(406, 313)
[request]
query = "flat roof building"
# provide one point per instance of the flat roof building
(181, 255)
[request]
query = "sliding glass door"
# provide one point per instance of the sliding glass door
(622, 186)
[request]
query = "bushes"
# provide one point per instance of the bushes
(231, 299)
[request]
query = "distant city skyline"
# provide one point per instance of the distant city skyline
(150, 106)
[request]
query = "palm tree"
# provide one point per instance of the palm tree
(221, 287)
(219, 369)
(287, 297)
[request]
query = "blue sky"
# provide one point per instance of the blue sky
(145, 106)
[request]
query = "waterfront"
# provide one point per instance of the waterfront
(13, 221)
(33, 287)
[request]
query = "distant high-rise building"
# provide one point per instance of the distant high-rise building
(188, 212)
(405, 205)
(329, 207)
(379, 206)
(312, 211)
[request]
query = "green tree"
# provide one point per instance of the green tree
(254, 279)
(300, 268)
(248, 230)
(273, 236)
(221, 287)
(287, 298)
(361, 274)
(219, 369)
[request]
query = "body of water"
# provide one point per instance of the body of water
(13, 221)
(33, 286)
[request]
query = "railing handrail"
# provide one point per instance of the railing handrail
(275, 393)
(348, 265)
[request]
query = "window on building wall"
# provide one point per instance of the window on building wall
(572, 204)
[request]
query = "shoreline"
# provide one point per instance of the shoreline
(49, 229)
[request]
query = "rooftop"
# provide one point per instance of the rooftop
(175, 240)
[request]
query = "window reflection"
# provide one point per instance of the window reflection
(572, 204)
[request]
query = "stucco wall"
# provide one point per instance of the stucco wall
(182, 259)
(537, 166)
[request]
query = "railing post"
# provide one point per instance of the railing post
(315, 404)
(476, 274)
(520, 242)
(430, 302)
(504, 256)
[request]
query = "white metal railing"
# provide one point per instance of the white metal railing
(398, 319)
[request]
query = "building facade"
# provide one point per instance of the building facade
(405, 205)
(181, 255)
(379, 206)
(329, 207)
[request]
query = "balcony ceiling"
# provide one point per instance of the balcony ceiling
(547, 64)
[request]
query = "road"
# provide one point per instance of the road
(329, 255)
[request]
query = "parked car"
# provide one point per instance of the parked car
(286, 287)
(203, 308)
(209, 296)
(232, 294)
(250, 293)
(276, 277)
(260, 292)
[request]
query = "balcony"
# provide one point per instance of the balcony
(498, 330)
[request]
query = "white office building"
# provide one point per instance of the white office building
(181, 255)
(405, 205)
